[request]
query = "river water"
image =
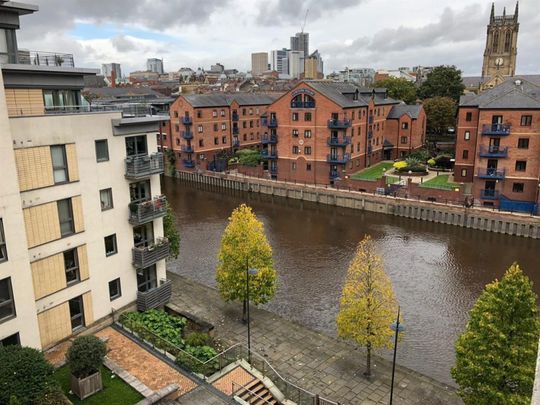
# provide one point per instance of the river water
(437, 270)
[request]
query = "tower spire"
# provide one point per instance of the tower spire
(492, 16)
(517, 11)
(504, 11)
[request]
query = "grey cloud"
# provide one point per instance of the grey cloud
(124, 44)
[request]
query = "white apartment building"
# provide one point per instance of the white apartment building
(81, 233)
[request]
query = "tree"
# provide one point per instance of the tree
(243, 246)
(443, 81)
(399, 88)
(440, 113)
(25, 375)
(171, 233)
(85, 355)
(496, 355)
(368, 304)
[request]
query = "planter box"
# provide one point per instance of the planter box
(87, 386)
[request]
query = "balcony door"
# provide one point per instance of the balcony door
(136, 146)
(497, 119)
(140, 191)
(146, 279)
(492, 164)
(143, 235)
(494, 143)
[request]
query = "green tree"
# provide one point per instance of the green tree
(443, 81)
(440, 113)
(368, 305)
(85, 355)
(399, 88)
(243, 246)
(171, 233)
(496, 355)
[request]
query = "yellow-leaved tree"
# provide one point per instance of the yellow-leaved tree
(368, 305)
(244, 246)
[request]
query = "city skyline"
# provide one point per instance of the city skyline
(354, 33)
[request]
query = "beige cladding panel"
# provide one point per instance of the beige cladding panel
(34, 167)
(73, 168)
(76, 203)
(22, 102)
(83, 262)
(54, 324)
(42, 223)
(88, 309)
(48, 275)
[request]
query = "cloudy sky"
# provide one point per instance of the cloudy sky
(354, 33)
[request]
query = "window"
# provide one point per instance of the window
(251, 136)
(468, 116)
(467, 135)
(3, 248)
(358, 147)
(223, 139)
(102, 150)
(307, 150)
(222, 112)
(295, 116)
(76, 313)
(199, 113)
(139, 191)
(65, 215)
(59, 162)
(214, 113)
(215, 127)
(307, 133)
(526, 120)
(463, 172)
(105, 197)
(177, 142)
(201, 143)
(521, 165)
(403, 139)
(404, 125)
(465, 154)
(146, 279)
(251, 123)
(308, 167)
(7, 303)
(71, 266)
(523, 143)
(110, 245)
(244, 124)
(518, 187)
(12, 340)
(223, 127)
(293, 166)
(243, 111)
(115, 289)
(199, 129)
(177, 128)
(251, 111)
(245, 137)
(307, 116)
(216, 140)
(176, 114)
(295, 150)
(136, 146)
(295, 133)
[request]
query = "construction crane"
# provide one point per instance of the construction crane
(305, 20)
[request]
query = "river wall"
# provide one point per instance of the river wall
(474, 218)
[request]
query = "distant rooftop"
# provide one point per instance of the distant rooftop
(517, 93)
(225, 100)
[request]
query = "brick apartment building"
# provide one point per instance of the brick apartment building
(498, 145)
(321, 131)
(204, 127)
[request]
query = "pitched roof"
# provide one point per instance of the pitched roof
(476, 81)
(343, 94)
(225, 99)
(399, 110)
(511, 94)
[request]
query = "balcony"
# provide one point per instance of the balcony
(235, 143)
(145, 256)
(39, 58)
(489, 194)
(369, 149)
(269, 139)
(369, 134)
(338, 160)
(370, 119)
(496, 130)
(146, 211)
(156, 297)
(269, 154)
(187, 135)
(270, 122)
(187, 120)
(188, 163)
(273, 171)
(235, 130)
(334, 174)
(339, 124)
(138, 167)
(493, 151)
(186, 148)
(339, 141)
(491, 174)
(235, 117)
(303, 104)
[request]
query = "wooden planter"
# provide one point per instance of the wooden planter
(87, 386)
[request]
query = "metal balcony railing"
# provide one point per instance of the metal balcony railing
(40, 58)
(188, 163)
(156, 297)
(143, 166)
(339, 124)
(235, 143)
(303, 104)
(270, 122)
(489, 194)
(490, 173)
(496, 129)
(370, 134)
(337, 159)
(187, 135)
(334, 174)
(339, 140)
(145, 256)
(493, 151)
(235, 117)
(235, 130)
(269, 139)
(187, 120)
(370, 120)
(146, 211)
(186, 149)
(269, 154)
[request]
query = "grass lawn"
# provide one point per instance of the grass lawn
(440, 181)
(115, 391)
(375, 172)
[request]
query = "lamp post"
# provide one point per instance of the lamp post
(249, 272)
(397, 328)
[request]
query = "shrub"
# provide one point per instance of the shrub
(203, 353)
(197, 339)
(432, 162)
(400, 165)
(159, 323)
(85, 356)
(25, 375)
(249, 157)
(421, 155)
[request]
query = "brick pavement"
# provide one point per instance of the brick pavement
(316, 362)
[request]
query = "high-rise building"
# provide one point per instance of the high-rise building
(313, 66)
(155, 65)
(279, 61)
(62, 169)
(259, 63)
(108, 68)
(361, 76)
(300, 42)
(296, 63)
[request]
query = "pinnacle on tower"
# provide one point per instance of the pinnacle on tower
(504, 12)
(517, 11)
(492, 16)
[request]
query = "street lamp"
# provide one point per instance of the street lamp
(397, 328)
(249, 272)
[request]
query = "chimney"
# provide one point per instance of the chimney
(113, 78)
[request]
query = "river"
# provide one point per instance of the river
(437, 270)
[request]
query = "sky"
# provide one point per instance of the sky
(348, 33)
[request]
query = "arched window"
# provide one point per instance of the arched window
(495, 42)
(296, 102)
(507, 41)
(309, 102)
(303, 101)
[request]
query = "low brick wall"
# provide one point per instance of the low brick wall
(365, 186)
(415, 190)
(253, 171)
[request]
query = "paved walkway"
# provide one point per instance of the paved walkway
(319, 363)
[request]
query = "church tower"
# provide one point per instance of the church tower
(501, 44)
